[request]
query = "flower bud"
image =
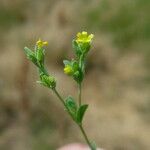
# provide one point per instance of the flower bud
(41, 44)
(48, 81)
(40, 51)
(68, 70)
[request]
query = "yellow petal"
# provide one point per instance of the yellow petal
(68, 70)
(78, 34)
(91, 36)
(45, 43)
(84, 32)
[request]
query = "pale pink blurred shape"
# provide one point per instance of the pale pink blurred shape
(76, 146)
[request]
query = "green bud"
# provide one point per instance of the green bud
(70, 67)
(78, 77)
(48, 81)
(74, 69)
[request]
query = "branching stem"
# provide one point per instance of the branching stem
(59, 96)
(80, 125)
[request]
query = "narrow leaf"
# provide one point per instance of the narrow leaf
(81, 112)
(71, 106)
(30, 55)
(66, 62)
(28, 51)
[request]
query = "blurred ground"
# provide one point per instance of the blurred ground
(117, 80)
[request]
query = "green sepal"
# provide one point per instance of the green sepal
(30, 55)
(80, 48)
(81, 112)
(71, 107)
(75, 65)
(85, 47)
(78, 76)
(47, 80)
(77, 48)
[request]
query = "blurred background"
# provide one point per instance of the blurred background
(117, 84)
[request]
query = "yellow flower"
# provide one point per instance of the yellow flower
(84, 37)
(68, 70)
(40, 43)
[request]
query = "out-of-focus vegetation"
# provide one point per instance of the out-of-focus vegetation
(127, 21)
(31, 117)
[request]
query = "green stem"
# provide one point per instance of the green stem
(81, 63)
(59, 97)
(79, 94)
(80, 125)
(85, 136)
(43, 70)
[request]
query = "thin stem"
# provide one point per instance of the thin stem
(85, 136)
(58, 95)
(80, 125)
(43, 70)
(79, 94)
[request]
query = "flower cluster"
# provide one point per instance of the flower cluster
(37, 57)
(83, 37)
(81, 45)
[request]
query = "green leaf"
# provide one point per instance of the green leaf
(30, 55)
(85, 47)
(71, 106)
(75, 65)
(28, 51)
(81, 112)
(66, 62)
